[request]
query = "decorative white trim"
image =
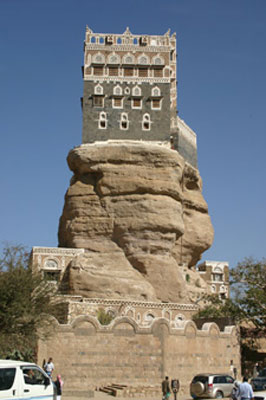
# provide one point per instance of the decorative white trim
(128, 47)
(128, 79)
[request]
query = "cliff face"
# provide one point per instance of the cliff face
(138, 210)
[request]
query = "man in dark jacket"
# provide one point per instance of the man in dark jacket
(166, 388)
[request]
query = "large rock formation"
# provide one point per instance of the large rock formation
(138, 210)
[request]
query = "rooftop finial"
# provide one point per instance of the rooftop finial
(127, 31)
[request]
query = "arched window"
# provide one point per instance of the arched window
(146, 122)
(156, 92)
(143, 60)
(156, 98)
(102, 123)
(124, 121)
(136, 101)
(157, 60)
(128, 59)
(113, 59)
(136, 91)
(98, 89)
(98, 58)
(118, 90)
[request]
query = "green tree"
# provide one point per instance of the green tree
(248, 299)
(26, 302)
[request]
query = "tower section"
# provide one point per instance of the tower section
(129, 87)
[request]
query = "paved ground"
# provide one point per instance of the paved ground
(104, 396)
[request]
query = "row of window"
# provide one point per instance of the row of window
(117, 102)
(124, 121)
(126, 72)
(136, 90)
(128, 58)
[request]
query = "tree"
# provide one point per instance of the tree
(249, 282)
(26, 302)
(248, 300)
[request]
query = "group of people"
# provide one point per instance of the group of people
(48, 368)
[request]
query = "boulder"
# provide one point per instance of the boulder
(138, 210)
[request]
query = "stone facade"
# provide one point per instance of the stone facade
(216, 275)
(128, 353)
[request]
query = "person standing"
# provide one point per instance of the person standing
(58, 384)
(245, 391)
(256, 370)
(49, 367)
(166, 388)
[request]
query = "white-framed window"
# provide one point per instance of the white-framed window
(98, 70)
(157, 72)
(113, 71)
(128, 59)
(156, 92)
(136, 102)
(113, 59)
(136, 91)
(102, 123)
(146, 122)
(156, 104)
(118, 91)
(143, 60)
(98, 58)
(117, 102)
(124, 123)
(143, 72)
(157, 60)
(98, 89)
(98, 101)
(128, 71)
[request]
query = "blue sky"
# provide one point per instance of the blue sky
(221, 48)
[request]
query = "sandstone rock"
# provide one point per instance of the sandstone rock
(138, 210)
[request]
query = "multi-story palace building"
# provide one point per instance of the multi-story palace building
(130, 91)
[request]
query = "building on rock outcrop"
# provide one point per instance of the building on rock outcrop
(130, 91)
(133, 228)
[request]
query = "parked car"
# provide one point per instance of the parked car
(260, 395)
(214, 386)
(259, 383)
(24, 381)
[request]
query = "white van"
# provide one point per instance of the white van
(22, 380)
